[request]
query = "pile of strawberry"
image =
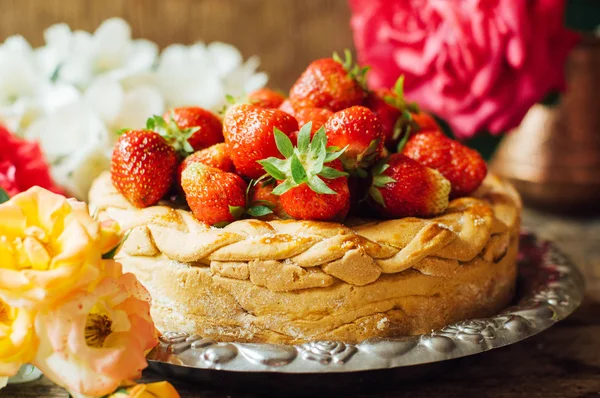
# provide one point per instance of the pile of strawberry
(331, 148)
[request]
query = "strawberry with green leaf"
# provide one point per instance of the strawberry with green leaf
(248, 131)
(359, 130)
(262, 195)
(462, 166)
(312, 185)
(330, 83)
(207, 127)
(214, 196)
(402, 187)
(143, 166)
(393, 112)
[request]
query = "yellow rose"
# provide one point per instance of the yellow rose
(93, 340)
(49, 246)
(17, 340)
(160, 389)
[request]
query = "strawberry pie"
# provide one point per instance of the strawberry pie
(338, 213)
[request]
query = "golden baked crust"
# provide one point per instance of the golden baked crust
(292, 281)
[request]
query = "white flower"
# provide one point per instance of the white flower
(25, 93)
(203, 75)
(121, 108)
(78, 57)
(76, 143)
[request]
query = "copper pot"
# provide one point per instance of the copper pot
(553, 157)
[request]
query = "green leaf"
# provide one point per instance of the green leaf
(237, 211)
(122, 131)
(272, 169)
(318, 156)
(398, 128)
(4, 196)
(331, 156)
(376, 195)
(298, 172)
(331, 173)
(337, 58)
(381, 181)
(380, 167)
(361, 172)
(221, 224)
(399, 87)
(264, 203)
(259, 211)
(319, 139)
(283, 142)
(150, 124)
(230, 99)
(283, 187)
(112, 252)
(304, 137)
(317, 185)
(404, 140)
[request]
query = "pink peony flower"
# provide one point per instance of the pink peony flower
(478, 64)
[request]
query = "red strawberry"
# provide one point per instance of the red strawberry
(214, 196)
(329, 83)
(311, 187)
(248, 133)
(143, 166)
(394, 113)
(266, 98)
(318, 117)
(403, 187)
(207, 126)
(287, 107)
(358, 129)
(262, 193)
(425, 121)
(462, 166)
(387, 114)
(215, 156)
(302, 203)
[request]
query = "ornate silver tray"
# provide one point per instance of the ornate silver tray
(550, 288)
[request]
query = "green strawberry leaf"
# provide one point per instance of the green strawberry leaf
(399, 87)
(333, 155)
(271, 168)
(109, 255)
(376, 195)
(318, 156)
(380, 167)
(283, 142)
(237, 211)
(317, 185)
(122, 131)
(319, 139)
(298, 172)
(259, 211)
(283, 187)
(331, 173)
(3, 196)
(381, 181)
(304, 137)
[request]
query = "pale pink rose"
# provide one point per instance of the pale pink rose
(95, 339)
(478, 64)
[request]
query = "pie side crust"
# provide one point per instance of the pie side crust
(287, 281)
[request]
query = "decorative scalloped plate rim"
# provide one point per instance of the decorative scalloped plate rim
(551, 289)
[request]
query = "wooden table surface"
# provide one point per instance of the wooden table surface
(561, 362)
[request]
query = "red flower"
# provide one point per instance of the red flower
(22, 165)
(478, 64)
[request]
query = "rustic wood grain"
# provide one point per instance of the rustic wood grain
(286, 34)
(561, 362)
